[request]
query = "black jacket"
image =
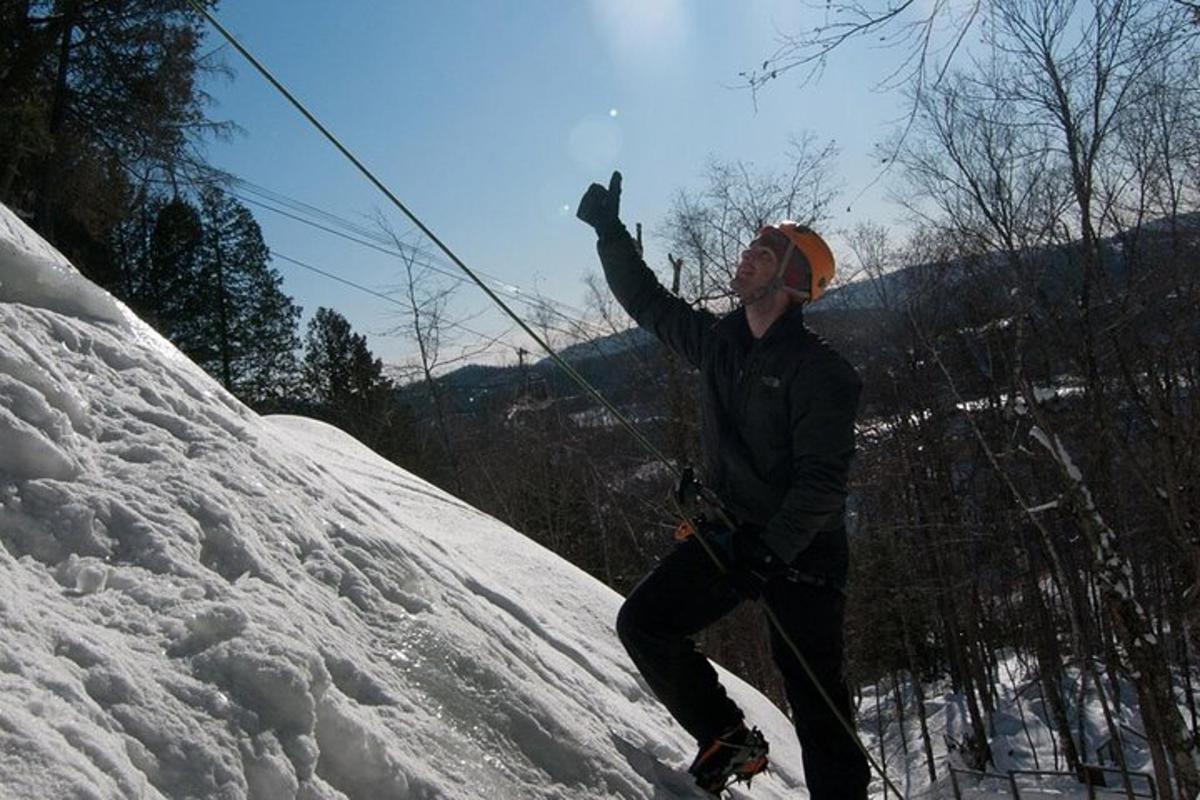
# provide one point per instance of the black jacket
(778, 413)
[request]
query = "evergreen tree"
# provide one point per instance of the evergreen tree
(95, 97)
(153, 258)
(329, 342)
(241, 327)
(345, 380)
(201, 276)
(272, 374)
(165, 290)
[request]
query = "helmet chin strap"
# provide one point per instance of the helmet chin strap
(776, 283)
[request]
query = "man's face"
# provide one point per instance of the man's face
(756, 269)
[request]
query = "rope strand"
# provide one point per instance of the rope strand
(429, 234)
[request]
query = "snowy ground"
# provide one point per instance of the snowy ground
(1020, 738)
(199, 602)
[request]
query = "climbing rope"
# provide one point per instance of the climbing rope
(429, 234)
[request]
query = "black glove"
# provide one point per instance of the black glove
(601, 207)
(688, 492)
(754, 563)
(750, 564)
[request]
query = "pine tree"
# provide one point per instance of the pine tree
(272, 368)
(201, 275)
(244, 328)
(153, 258)
(345, 380)
(95, 97)
(164, 290)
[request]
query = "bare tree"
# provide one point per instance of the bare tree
(710, 228)
(1062, 132)
(925, 35)
(425, 295)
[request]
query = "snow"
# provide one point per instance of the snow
(203, 603)
(36, 274)
(1021, 738)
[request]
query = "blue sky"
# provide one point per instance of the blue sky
(489, 119)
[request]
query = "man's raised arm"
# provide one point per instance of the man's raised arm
(679, 326)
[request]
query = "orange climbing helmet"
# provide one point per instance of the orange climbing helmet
(787, 237)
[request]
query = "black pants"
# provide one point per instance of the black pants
(685, 594)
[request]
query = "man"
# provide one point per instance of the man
(778, 436)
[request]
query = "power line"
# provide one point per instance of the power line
(577, 328)
(570, 332)
(304, 265)
(375, 240)
(490, 339)
(536, 302)
(374, 180)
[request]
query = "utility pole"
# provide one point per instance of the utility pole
(675, 399)
(521, 353)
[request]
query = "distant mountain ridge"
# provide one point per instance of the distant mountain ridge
(612, 344)
(1061, 273)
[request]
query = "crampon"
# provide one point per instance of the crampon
(732, 758)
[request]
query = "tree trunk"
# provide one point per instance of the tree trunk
(43, 214)
(898, 698)
(1114, 732)
(439, 411)
(1050, 671)
(980, 752)
(879, 731)
(1183, 648)
(223, 316)
(1164, 726)
(977, 659)
(961, 642)
(919, 691)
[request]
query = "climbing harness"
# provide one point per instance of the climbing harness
(707, 495)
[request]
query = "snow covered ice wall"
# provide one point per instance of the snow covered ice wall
(198, 602)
